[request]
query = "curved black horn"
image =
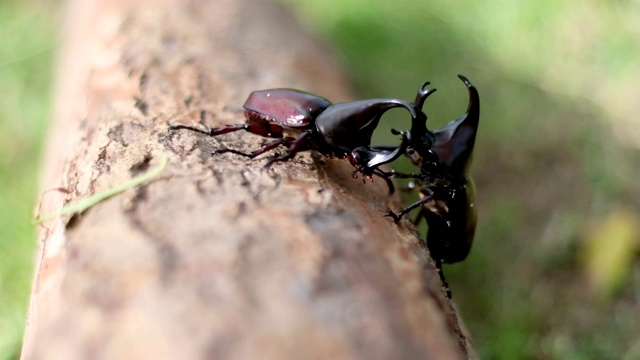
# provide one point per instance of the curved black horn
(419, 122)
(453, 144)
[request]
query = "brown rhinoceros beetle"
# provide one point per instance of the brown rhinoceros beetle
(303, 121)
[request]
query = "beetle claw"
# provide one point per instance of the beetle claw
(393, 215)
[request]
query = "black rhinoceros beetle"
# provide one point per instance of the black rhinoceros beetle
(446, 189)
(303, 121)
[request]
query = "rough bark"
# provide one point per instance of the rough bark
(214, 258)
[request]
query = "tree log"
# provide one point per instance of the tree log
(215, 258)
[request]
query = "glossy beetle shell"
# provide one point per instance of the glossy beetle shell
(286, 107)
(452, 224)
(351, 125)
(453, 145)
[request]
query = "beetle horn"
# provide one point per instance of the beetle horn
(351, 125)
(422, 95)
(380, 108)
(419, 122)
(454, 143)
(372, 158)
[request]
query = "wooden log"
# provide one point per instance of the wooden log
(214, 258)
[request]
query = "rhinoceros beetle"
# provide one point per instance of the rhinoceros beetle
(303, 121)
(447, 191)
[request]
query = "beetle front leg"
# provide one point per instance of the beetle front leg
(367, 173)
(190, 128)
(257, 128)
(403, 212)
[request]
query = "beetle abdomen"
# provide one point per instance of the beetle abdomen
(452, 225)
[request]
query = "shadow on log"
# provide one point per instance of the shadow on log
(214, 258)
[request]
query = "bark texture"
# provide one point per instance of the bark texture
(214, 258)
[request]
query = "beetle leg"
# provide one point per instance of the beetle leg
(403, 212)
(397, 175)
(191, 128)
(268, 146)
(262, 129)
(387, 179)
(442, 278)
(367, 174)
(297, 145)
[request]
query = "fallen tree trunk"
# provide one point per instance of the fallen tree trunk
(214, 258)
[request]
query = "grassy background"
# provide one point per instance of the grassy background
(26, 52)
(554, 273)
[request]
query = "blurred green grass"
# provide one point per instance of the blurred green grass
(556, 158)
(26, 52)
